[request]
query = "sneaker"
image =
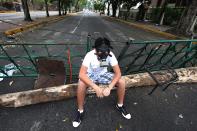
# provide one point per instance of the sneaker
(78, 119)
(123, 111)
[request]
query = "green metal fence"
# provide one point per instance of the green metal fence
(137, 56)
(133, 56)
(21, 58)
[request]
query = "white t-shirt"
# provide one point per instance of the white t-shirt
(93, 64)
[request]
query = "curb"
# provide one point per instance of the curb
(144, 27)
(33, 25)
(3, 11)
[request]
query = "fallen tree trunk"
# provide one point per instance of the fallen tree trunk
(19, 99)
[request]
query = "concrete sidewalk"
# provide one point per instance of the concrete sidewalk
(23, 26)
(19, 25)
(151, 27)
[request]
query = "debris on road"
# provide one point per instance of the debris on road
(135, 103)
(9, 69)
(11, 82)
(181, 116)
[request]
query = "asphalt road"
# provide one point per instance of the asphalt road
(172, 110)
(77, 28)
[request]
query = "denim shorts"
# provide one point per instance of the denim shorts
(105, 78)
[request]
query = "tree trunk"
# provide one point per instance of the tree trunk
(187, 19)
(26, 10)
(161, 15)
(33, 5)
(77, 6)
(46, 7)
(108, 8)
(119, 10)
(59, 7)
(159, 3)
(114, 8)
(62, 7)
(67, 91)
(127, 12)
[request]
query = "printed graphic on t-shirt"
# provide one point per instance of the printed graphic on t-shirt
(93, 64)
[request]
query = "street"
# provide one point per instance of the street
(85, 23)
(172, 110)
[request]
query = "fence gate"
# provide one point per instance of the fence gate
(22, 60)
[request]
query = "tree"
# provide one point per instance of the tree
(114, 7)
(77, 5)
(59, 7)
(188, 18)
(33, 5)
(98, 5)
(26, 10)
(128, 4)
(46, 7)
(162, 13)
(108, 5)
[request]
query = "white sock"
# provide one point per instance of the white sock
(81, 111)
(120, 105)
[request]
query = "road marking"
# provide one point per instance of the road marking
(44, 33)
(36, 126)
(109, 36)
(97, 35)
(122, 35)
(77, 25)
(7, 20)
(131, 38)
(57, 33)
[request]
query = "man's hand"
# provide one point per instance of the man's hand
(99, 92)
(106, 91)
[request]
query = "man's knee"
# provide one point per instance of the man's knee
(82, 85)
(121, 83)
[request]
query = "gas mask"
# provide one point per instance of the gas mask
(102, 53)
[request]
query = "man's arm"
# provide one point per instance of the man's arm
(83, 77)
(117, 76)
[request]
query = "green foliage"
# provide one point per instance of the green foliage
(155, 14)
(172, 15)
(8, 0)
(82, 3)
(99, 6)
(39, 1)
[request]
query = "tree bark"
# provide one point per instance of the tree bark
(159, 3)
(46, 7)
(67, 91)
(59, 7)
(187, 19)
(114, 7)
(108, 11)
(26, 10)
(77, 6)
(161, 15)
